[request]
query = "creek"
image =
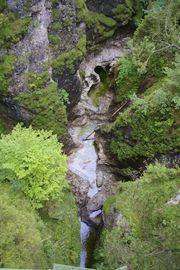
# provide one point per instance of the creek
(88, 116)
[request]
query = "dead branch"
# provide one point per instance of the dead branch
(120, 108)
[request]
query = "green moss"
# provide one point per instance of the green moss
(98, 22)
(46, 101)
(54, 40)
(68, 59)
(150, 242)
(12, 29)
(7, 63)
(55, 27)
(97, 92)
(107, 21)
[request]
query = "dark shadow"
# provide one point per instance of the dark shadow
(101, 72)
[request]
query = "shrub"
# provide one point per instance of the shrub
(33, 161)
(150, 242)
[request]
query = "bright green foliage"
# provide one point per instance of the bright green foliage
(150, 241)
(152, 121)
(154, 45)
(33, 161)
(12, 28)
(47, 102)
(21, 241)
(6, 67)
(68, 59)
(64, 227)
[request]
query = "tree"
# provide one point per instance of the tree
(32, 160)
(21, 230)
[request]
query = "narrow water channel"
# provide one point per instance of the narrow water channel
(90, 113)
(83, 163)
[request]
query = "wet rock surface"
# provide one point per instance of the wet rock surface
(87, 162)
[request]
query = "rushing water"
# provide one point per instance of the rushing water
(84, 233)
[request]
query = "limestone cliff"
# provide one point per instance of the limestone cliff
(55, 40)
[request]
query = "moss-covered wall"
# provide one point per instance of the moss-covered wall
(47, 103)
(12, 29)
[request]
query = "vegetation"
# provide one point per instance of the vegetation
(12, 28)
(47, 102)
(32, 175)
(152, 121)
(145, 234)
(149, 241)
(148, 76)
(153, 47)
(97, 92)
(33, 162)
(55, 27)
(69, 58)
(38, 215)
(21, 229)
(6, 68)
(63, 226)
(98, 22)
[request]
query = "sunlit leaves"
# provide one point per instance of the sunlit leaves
(36, 161)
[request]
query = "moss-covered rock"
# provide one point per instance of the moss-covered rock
(100, 26)
(12, 29)
(68, 59)
(46, 102)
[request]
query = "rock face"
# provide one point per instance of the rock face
(104, 6)
(69, 33)
(32, 53)
(35, 51)
(55, 43)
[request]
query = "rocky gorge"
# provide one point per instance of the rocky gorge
(96, 75)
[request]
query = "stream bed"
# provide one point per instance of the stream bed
(82, 163)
